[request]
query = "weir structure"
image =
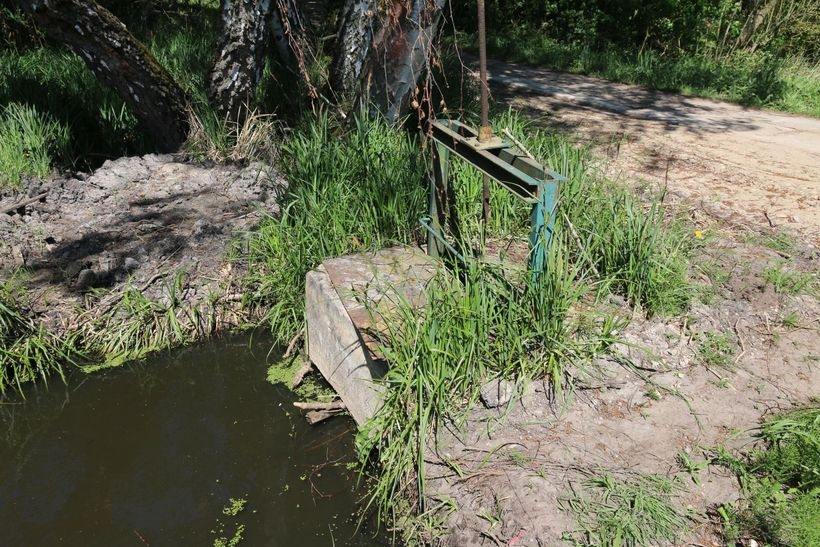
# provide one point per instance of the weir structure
(346, 296)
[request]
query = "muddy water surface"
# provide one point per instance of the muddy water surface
(150, 455)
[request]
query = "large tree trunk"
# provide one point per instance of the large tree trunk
(120, 61)
(397, 38)
(352, 48)
(241, 57)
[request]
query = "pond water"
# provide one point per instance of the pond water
(150, 454)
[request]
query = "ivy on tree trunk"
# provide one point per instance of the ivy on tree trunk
(120, 61)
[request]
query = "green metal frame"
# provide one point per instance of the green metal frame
(503, 163)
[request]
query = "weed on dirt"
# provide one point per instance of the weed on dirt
(631, 511)
(27, 350)
(780, 483)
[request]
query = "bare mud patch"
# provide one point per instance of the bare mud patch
(74, 242)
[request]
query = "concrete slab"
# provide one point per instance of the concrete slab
(346, 299)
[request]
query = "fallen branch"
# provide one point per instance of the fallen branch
(315, 416)
(333, 405)
(301, 373)
(292, 344)
(23, 203)
(518, 144)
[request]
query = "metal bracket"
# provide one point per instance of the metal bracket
(505, 164)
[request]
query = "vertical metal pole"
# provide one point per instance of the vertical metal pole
(485, 132)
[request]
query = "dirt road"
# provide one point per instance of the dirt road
(745, 166)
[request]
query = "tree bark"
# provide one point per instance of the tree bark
(240, 58)
(352, 47)
(397, 38)
(120, 61)
(292, 38)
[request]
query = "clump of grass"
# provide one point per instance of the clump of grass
(351, 189)
(786, 280)
(222, 140)
(473, 327)
(136, 325)
(780, 483)
(634, 510)
(717, 349)
(29, 143)
(28, 351)
(634, 248)
(57, 84)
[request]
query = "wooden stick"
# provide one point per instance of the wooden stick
(334, 405)
(292, 344)
(315, 416)
(23, 203)
(518, 143)
(301, 373)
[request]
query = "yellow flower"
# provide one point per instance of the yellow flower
(698, 234)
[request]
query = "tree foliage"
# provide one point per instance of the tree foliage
(711, 26)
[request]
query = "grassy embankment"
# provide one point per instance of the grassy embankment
(56, 116)
(358, 188)
(755, 79)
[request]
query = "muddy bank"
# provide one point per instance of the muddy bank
(76, 240)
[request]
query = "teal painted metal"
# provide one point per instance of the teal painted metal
(505, 164)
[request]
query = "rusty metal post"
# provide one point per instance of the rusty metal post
(485, 132)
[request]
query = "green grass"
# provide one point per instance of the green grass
(350, 190)
(717, 349)
(137, 325)
(636, 250)
(780, 483)
(473, 327)
(787, 280)
(630, 511)
(756, 79)
(61, 90)
(28, 142)
(88, 123)
(28, 351)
